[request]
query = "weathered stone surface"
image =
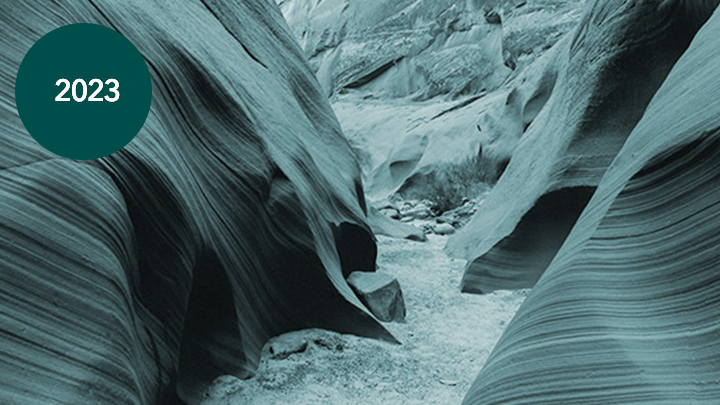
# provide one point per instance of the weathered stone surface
(444, 229)
(627, 312)
(380, 293)
(141, 277)
(608, 71)
(399, 48)
(224, 386)
(285, 345)
(403, 143)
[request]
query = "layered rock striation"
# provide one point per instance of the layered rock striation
(627, 310)
(233, 216)
(607, 72)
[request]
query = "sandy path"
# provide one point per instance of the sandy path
(446, 339)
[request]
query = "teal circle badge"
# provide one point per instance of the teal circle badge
(83, 91)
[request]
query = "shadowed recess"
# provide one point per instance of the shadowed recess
(211, 343)
(519, 259)
(356, 248)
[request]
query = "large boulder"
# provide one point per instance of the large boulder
(381, 293)
(626, 313)
(608, 71)
(140, 277)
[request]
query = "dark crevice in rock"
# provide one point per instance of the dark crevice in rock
(538, 100)
(356, 248)
(211, 343)
(164, 237)
(360, 193)
(245, 48)
(519, 259)
(374, 74)
(459, 105)
(500, 168)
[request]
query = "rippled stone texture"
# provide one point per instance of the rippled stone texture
(231, 218)
(627, 313)
(608, 71)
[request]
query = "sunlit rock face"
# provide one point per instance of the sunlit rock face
(626, 313)
(421, 86)
(607, 72)
(401, 48)
(231, 218)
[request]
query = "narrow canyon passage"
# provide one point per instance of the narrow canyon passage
(347, 202)
(446, 339)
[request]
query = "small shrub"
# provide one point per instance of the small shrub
(449, 186)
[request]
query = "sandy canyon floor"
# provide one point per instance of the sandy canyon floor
(446, 339)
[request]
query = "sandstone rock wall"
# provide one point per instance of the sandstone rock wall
(608, 71)
(627, 310)
(138, 278)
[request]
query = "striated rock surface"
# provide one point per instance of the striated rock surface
(232, 217)
(608, 70)
(626, 313)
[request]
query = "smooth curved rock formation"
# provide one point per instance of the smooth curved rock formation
(400, 48)
(505, 119)
(231, 218)
(431, 49)
(404, 145)
(611, 67)
(627, 311)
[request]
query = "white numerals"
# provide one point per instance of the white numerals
(113, 90)
(60, 97)
(95, 93)
(84, 90)
(80, 90)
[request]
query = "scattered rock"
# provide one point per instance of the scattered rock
(384, 225)
(459, 216)
(390, 212)
(223, 386)
(450, 383)
(444, 229)
(330, 342)
(417, 237)
(285, 345)
(380, 293)
(420, 211)
(448, 219)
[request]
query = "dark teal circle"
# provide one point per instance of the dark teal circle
(87, 129)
